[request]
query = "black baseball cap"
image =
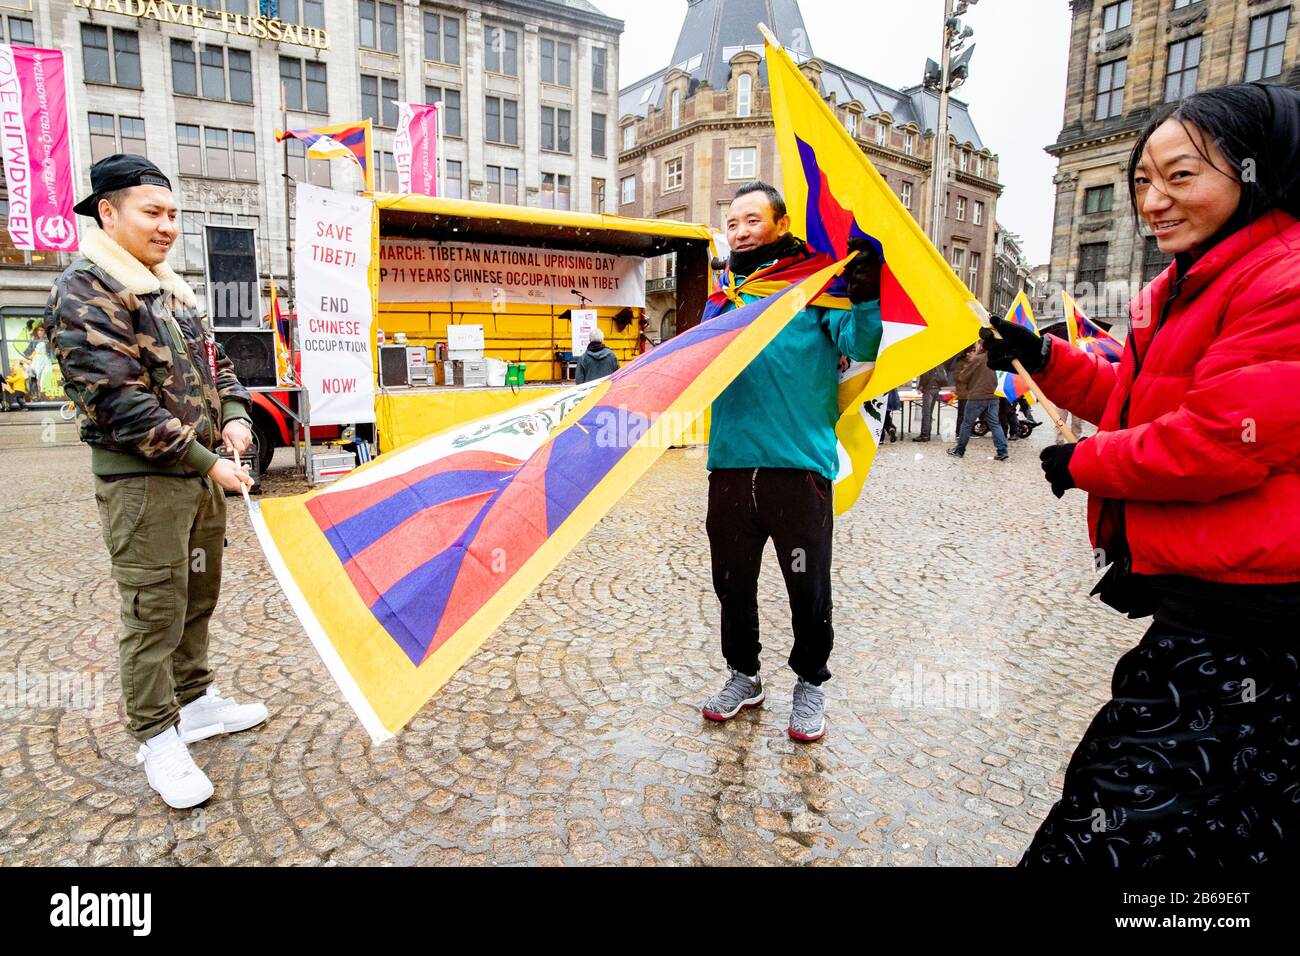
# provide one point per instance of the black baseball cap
(119, 171)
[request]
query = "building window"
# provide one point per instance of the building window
(1267, 40)
(555, 129)
(557, 62)
(905, 194)
(597, 195)
(217, 142)
(442, 38)
(978, 214)
(378, 25)
(502, 121)
(244, 145)
(627, 190)
(125, 63)
(132, 135)
(1154, 261)
(292, 75)
(241, 75)
(882, 134)
(1092, 264)
(742, 162)
(676, 117)
(21, 32)
(1111, 78)
(973, 275)
(598, 134)
(744, 94)
(1179, 4)
(629, 136)
(453, 180)
(103, 136)
(979, 166)
(450, 100)
(961, 208)
(310, 13)
(958, 257)
(1116, 16)
(184, 79)
(378, 99)
(192, 236)
(1184, 68)
(555, 191)
(317, 173)
(1099, 199)
(502, 185)
(598, 67)
(189, 151)
(212, 67)
(963, 159)
(501, 51)
(909, 143)
(673, 174)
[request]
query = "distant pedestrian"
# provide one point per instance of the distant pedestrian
(598, 361)
(931, 382)
(978, 383)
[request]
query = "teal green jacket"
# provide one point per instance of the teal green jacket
(780, 412)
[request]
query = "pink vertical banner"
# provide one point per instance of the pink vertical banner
(415, 149)
(36, 139)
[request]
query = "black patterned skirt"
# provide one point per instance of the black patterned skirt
(1195, 759)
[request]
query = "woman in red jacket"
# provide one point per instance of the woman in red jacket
(1193, 483)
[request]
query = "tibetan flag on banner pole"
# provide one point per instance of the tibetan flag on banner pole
(416, 148)
(341, 141)
(401, 569)
(834, 194)
(1087, 335)
(1021, 313)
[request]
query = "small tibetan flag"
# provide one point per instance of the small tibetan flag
(341, 141)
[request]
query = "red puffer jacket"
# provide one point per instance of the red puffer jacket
(1209, 465)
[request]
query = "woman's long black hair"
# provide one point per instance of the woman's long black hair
(1257, 127)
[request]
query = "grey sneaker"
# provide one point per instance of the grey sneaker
(739, 692)
(808, 716)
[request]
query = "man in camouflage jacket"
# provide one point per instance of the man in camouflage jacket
(155, 399)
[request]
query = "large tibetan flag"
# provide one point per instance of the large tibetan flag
(400, 570)
(1087, 335)
(1021, 313)
(834, 194)
(341, 141)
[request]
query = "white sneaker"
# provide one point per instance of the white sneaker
(213, 714)
(172, 771)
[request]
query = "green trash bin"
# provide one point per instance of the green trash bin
(516, 374)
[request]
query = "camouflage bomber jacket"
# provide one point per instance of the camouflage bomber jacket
(134, 359)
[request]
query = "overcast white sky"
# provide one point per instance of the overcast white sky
(1016, 91)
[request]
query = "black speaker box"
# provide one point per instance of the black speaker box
(253, 352)
(393, 371)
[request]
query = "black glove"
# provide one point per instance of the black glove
(1056, 467)
(1017, 342)
(862, 275)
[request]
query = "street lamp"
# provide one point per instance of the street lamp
(944, 77)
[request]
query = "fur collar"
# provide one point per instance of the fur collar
(130, 271)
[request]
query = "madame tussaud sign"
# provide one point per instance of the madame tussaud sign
(193, 15)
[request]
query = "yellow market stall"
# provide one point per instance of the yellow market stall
(519, 273)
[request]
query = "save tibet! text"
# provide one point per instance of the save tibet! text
(333, 255)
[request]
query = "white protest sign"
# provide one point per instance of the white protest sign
(584, 321)
(332, 261)
(421, 270)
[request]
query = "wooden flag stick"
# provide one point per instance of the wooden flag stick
(1052, 411)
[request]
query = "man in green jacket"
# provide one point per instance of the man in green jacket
(773, 460)
(155, 397)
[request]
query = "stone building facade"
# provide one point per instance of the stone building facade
(1011, 271)
(1126, 60)
(530, 89)
(691, 133)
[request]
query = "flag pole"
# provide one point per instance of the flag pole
(288, 230)
(1052, 411)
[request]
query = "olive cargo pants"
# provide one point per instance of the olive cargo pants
(165, 535)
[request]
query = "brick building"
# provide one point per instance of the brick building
(1126, 60)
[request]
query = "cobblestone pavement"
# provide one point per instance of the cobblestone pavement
(968, 662)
